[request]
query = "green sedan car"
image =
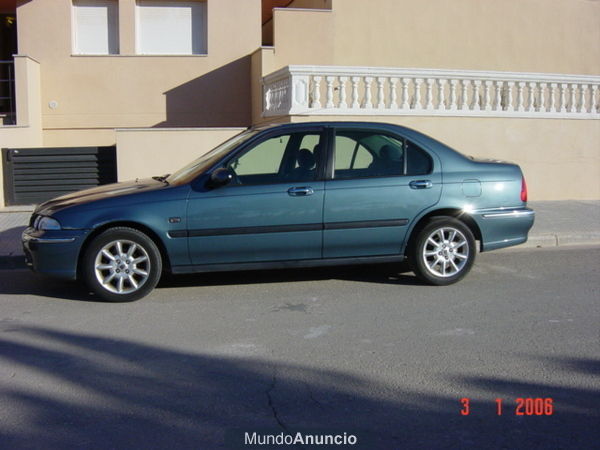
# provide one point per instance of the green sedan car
(293, 195)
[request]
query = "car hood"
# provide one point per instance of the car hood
(99, 193)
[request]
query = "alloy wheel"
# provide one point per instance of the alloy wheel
(446, 252)
(122, 266)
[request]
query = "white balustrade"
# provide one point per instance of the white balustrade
(498, 101)
(553, 87)
(542, 107)
(367, 102)
(453, 84)
(405, 105)
(463, 94)
(563, 97)
(429, 95)
(355, 104)
(329, 97)
(388, 91)
(573, 102)
(487, 100)
(316, 93)
(475, 105)
(509, 96)
(441, 94)
(531, 100)
(342, 88)
(393, 95)
(416, 104)
(520, 105)
(380, 94)
(581, 105)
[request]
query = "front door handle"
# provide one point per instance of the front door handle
(300, 191)
(420, 184)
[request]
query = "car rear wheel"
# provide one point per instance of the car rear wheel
(121, 265)
(443, 252)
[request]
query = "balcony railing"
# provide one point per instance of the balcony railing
(7, 93)
(336, 90)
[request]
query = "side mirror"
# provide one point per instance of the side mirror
(220, 177)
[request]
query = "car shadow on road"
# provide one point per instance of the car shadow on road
(65, 389)
(379, 273)
(25, 282)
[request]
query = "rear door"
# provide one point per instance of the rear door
(380, 182)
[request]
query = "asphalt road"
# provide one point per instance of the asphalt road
(365, 351)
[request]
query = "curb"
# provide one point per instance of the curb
(561, 239)
(18, 209)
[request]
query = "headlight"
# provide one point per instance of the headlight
(47, 223)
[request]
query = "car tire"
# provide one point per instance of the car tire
(121, 264)
(443, 252)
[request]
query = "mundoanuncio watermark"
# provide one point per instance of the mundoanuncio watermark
(299, 438)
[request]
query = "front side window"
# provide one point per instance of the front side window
(95, 27)
(170, 27)
(287, 158)
(264, 159)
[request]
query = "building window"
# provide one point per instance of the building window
(171, 27)
(95, 27)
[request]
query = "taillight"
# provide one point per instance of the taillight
(523, 190)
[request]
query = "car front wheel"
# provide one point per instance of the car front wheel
(443, 252)
(121, 264)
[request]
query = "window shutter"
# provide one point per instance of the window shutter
(171, 28)
(96, 27)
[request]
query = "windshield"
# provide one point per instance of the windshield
(204, 162)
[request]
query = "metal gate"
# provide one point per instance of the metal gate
(34, 175)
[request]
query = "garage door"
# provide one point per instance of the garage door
(34, 175)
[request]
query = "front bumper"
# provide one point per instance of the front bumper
(53, 252)
(503, 227)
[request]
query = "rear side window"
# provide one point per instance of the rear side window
(368, 154)
(417, 161)
(350, 154)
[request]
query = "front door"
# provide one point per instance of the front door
(273, 209)
(380, 183)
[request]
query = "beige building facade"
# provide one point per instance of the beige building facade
(516, 80)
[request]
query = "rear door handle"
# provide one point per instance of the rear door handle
(300, 191)
(420, 184)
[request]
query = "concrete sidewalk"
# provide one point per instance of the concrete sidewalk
(556, 224)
